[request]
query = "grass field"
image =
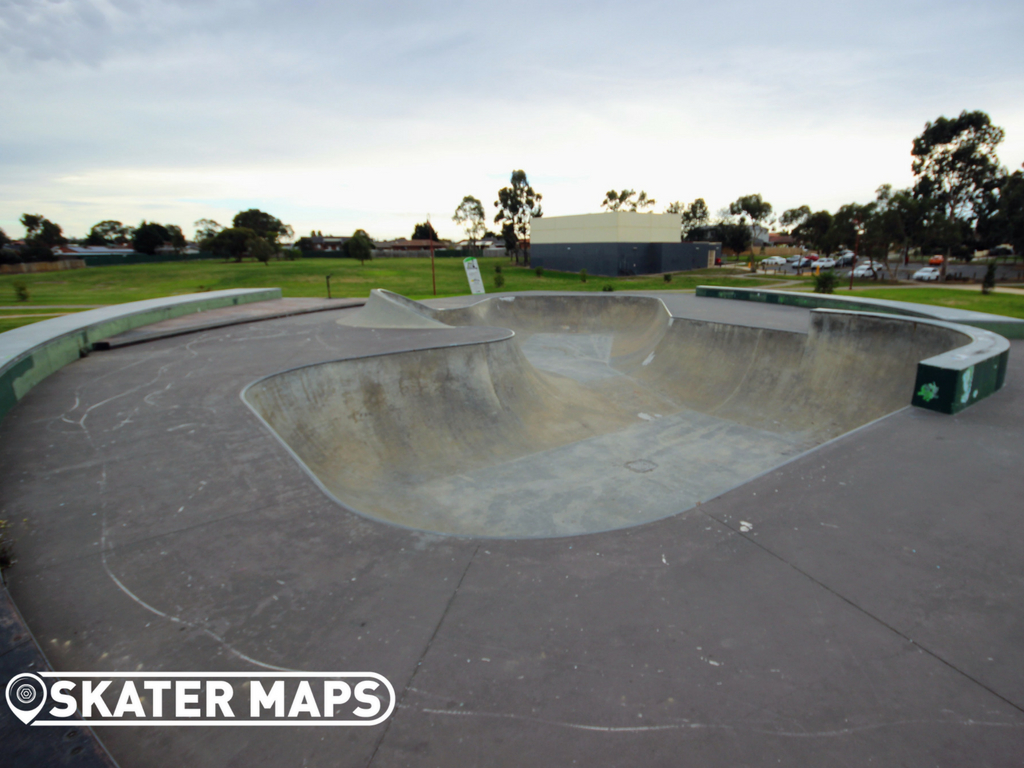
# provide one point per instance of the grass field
(1008, 304)
(409, 277)
(307, 277)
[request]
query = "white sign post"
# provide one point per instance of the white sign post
(476, 283)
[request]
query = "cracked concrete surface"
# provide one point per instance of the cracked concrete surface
(859, 604)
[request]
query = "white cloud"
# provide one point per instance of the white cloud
(337, 116)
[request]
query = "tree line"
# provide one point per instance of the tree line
(253, 233)
(962, 200)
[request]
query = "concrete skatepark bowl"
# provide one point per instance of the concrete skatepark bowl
(593, 413)
(495, 505)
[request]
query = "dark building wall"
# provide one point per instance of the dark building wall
(691, 255)
(614, 259)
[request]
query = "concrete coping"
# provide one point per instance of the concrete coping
(31, 353)
(1011, 327)
(953, 380)
(982, 345)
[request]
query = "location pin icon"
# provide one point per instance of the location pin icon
(26, 696)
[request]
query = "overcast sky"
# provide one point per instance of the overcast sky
(338, 115)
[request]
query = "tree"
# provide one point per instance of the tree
(1006, 224)
(231, 243)
(753, 206)
(149, 236)
(517, 205)
(260, 249)
(989, 283)
(41, 231)
(508, 237)
(7, 255)
(359, 246)
(470, 215)
(734, 236)
(263, 224)
(623, 201)
(813, 230)
(425, 231)
(31, 222)
(695, 216)
(845, 224)
(177, 239)
(955, 163)
(895, 222)
(41, 237)
(206, 230)
(794, 217)
(109, 233)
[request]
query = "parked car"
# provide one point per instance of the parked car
(826, 263)
(868, 269)
(802, 262)
(845, 259)
(926, 273)
(936, 260)
(773, 261)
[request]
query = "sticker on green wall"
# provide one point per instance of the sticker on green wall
(968, 379)
(928, 392)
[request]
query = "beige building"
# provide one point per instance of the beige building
(613, 227)
(617, 243)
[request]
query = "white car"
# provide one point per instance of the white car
(927, 273)
(773, 261)
(868, 269)
(826, 263)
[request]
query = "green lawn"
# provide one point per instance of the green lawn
(306, 277)
(1008, 304)
(409, 277)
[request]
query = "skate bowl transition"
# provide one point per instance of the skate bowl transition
(584, 413)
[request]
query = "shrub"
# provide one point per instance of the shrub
(499, 281)
(497, 268)
(583, 275)
(21, 292)
(668, 277)
(825, 282)
(608, 288)
(260, 250)
(539, 271)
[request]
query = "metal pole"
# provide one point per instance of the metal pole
(328, 286)
(430, 234)
(856, 249)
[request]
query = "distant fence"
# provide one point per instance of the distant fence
(439, 253)
(41, 266)
(114, 259)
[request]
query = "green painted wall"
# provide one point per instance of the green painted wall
(24, 371)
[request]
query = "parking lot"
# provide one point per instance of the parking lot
(956, 271)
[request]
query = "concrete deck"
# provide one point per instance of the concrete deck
(860, 604)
